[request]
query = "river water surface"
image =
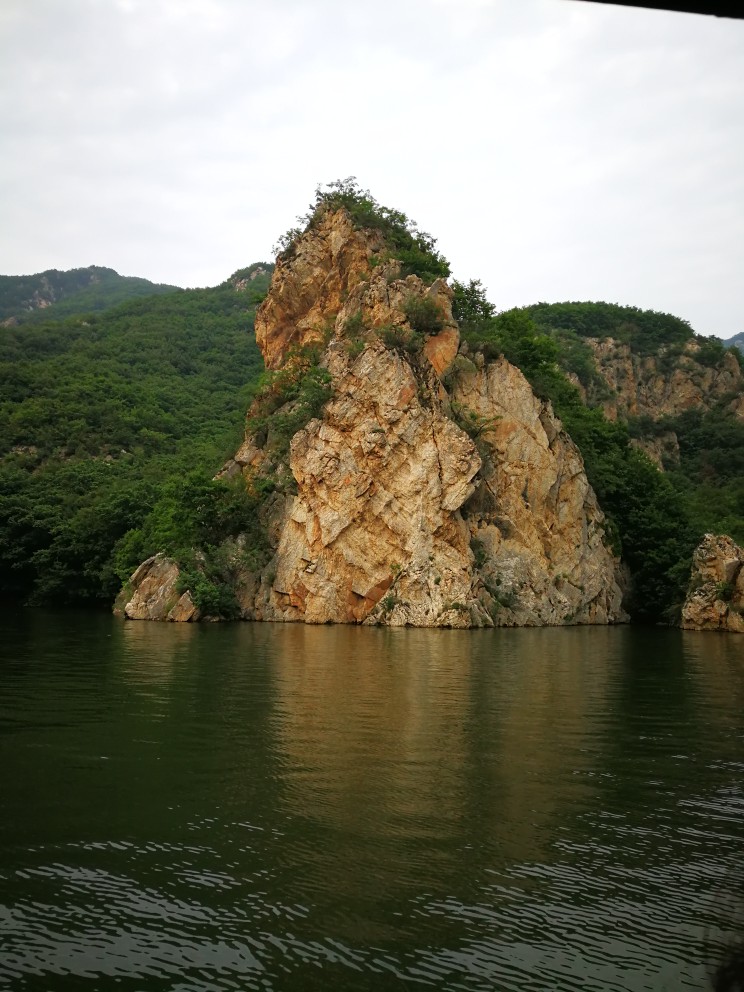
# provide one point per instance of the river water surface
(260, 806)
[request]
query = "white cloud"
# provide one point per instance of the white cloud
(557, 149)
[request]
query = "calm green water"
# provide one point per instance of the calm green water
(281, 807)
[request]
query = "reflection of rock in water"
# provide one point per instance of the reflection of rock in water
(151, 651)
(539, 708)
(435, 742)
(717, 664)
(365, 718)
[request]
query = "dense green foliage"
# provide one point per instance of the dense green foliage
(470, 307)
(192, 521)
(654, 519)
(646, 331)
(414, 249)
(287, 398)
(710, 469)
(100, 417)
(53, 295)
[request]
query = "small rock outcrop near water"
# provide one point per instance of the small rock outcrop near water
(715, 598)
(426, 489)
(152, 594)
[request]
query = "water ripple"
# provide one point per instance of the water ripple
(288, 808)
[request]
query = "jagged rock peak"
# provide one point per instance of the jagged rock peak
(423, 489)
(337, 280)
(399, 518)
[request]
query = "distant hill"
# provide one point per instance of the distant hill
(100, 411)
(53, 295)
(737, 341)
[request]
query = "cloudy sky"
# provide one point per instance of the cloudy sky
(557, 149)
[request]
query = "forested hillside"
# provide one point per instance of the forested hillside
(100, 412)
(113, 423)
(53, 295)
(656, 411)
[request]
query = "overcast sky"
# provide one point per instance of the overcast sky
(557, 149)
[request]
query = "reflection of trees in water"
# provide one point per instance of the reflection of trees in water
(204, 694)
(149, 652)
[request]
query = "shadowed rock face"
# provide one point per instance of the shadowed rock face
(715, 599)
(399, 516)
(535, 518)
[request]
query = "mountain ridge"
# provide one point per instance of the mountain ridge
(56, 293)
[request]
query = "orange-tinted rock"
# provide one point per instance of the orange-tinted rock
(185, 610)
(441, 349)
(715, 598)
(309, 288)
(153, 586)
(534, 517)
(645, 385)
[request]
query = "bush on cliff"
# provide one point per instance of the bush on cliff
(423, 314)
(288, 398)
(414, 249)
(470, 308)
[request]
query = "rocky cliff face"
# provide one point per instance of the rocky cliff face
(650, 386)
(374, 531)
(428, 491)
(309, 289)
(152, 594)
(715, 599)
(534, 519)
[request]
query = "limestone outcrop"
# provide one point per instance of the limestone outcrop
(308, 288)
(715, 597)
(534, 519)
(426, 491)
(662, 449)
(151, 593)
(374, 532)
(646, 385)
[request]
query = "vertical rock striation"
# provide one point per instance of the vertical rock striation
(534, 518)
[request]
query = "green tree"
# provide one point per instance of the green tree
(470, 307)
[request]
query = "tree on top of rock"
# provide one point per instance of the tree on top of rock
(414, 249)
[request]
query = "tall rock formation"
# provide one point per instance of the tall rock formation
(427, 490)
